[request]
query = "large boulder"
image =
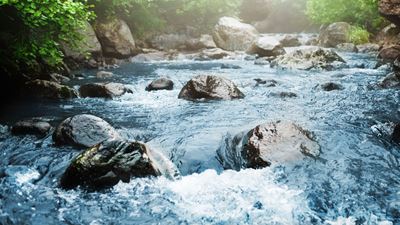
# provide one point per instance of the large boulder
(390, 9)
(334, 34)
(160, 84)
(210, 87)
(31, 126)
(88, 44)
(102, 90)
(392, 80)
(266, 46)
(309, 58)
(275, 143)
(49, 89)
(115, 38)
(232, 35)
(84, 131)
(109, 162)
(389, 54)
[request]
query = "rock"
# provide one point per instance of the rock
(368, 48)
(392, 80)
(390, 9)
(396, 134)
(290, 41)
(266, 47)
(330, 86)
(313, 41)
(150, 57)
(160, 84)
(309, 58)
(49, 89)
(334, 34)
(104, 74)
(347, 47)
(84, 130)
(389, 54)
(270, 144)
(207, 41)
(109, 162)
(232, 35)
(165, 42)
(263, 61)
(115, 38)
(32, 126)
(103, 90)
(210, 87)
(213, 53)
(58, 78)
(266, 83)
(88, 44)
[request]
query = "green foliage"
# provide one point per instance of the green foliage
(45, 23)
(358, 35)
(146, 16)
(363, 13)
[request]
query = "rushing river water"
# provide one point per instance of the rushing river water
(356, 180)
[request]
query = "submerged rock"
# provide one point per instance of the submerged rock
(210, 87)
(266, 47)
(49, 89)
(32, 126)
(84, 130)
(268, 144)
(265, 83)
(330, 86)
(103, 90)
(232, 35)
(392, 80)
(309, 58)
(160, 84)
(109, 162)
(334, 34)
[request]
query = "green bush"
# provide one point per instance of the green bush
(358, 35)
(363, 13)
(43, 24)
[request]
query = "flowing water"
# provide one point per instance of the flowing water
(356, 180)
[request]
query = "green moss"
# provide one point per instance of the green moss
(358, 35)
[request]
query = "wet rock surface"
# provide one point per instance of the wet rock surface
(330, 86)
(109, 162)
(103, 90)
(84, 131)
(269, 144)
(392, 80)
(160, 84)
(49, 90)
(210, 87)
(309, 58)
